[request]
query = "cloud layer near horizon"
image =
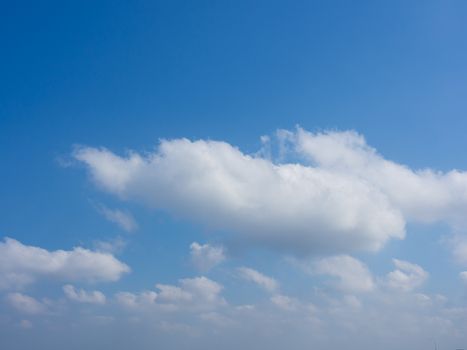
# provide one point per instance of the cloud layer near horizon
(194, 309)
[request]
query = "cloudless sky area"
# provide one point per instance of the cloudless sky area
(127, 75)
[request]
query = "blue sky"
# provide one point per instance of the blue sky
(183, 173)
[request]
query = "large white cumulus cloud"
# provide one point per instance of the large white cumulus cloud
(297, 207)
(342, 197)
(21, 265)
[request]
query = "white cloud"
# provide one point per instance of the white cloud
(421, 195)
(82, 296)
(284, 302)
(172, 294)
(458, 244)
(268, 283)
(289, 206)
(203, 290)
(463, 276)
(122, 218)
(205, 256)
(131, 300)
(389, 319)
(196, 293)
(26, 304)
(407, 276)
(343, 197)
(352, 275)
(21, 265)
(112, 246)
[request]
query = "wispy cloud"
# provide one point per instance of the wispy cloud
(122, 218)
(266, 282)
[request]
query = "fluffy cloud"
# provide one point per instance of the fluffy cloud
(191, 294)
(268, 283)
(82, 296)
(422, 195)
(352, 275)
(342, 197)
(205, 256)
(203, 290)
(172, 294)
(407, 276)
(26, 304)
(21, 265)
(122, 218)
(292, 206)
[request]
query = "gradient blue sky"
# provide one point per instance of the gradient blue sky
(81, 75)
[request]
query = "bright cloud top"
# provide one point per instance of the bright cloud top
(422, 195)
(21, 265)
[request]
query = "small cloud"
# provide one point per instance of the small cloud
(284, 302)
(351, 274)
(26, 304)
(122, 218)
(169, 293)
(112, 246)
(132, 300)
(246, 307)
(407, 276)
(205, 256)
(203, 290)
(21, 265)
(197, 292)
(463, 276)
(82, 296)
(459, 249)
(265, 282)
(65, 161)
